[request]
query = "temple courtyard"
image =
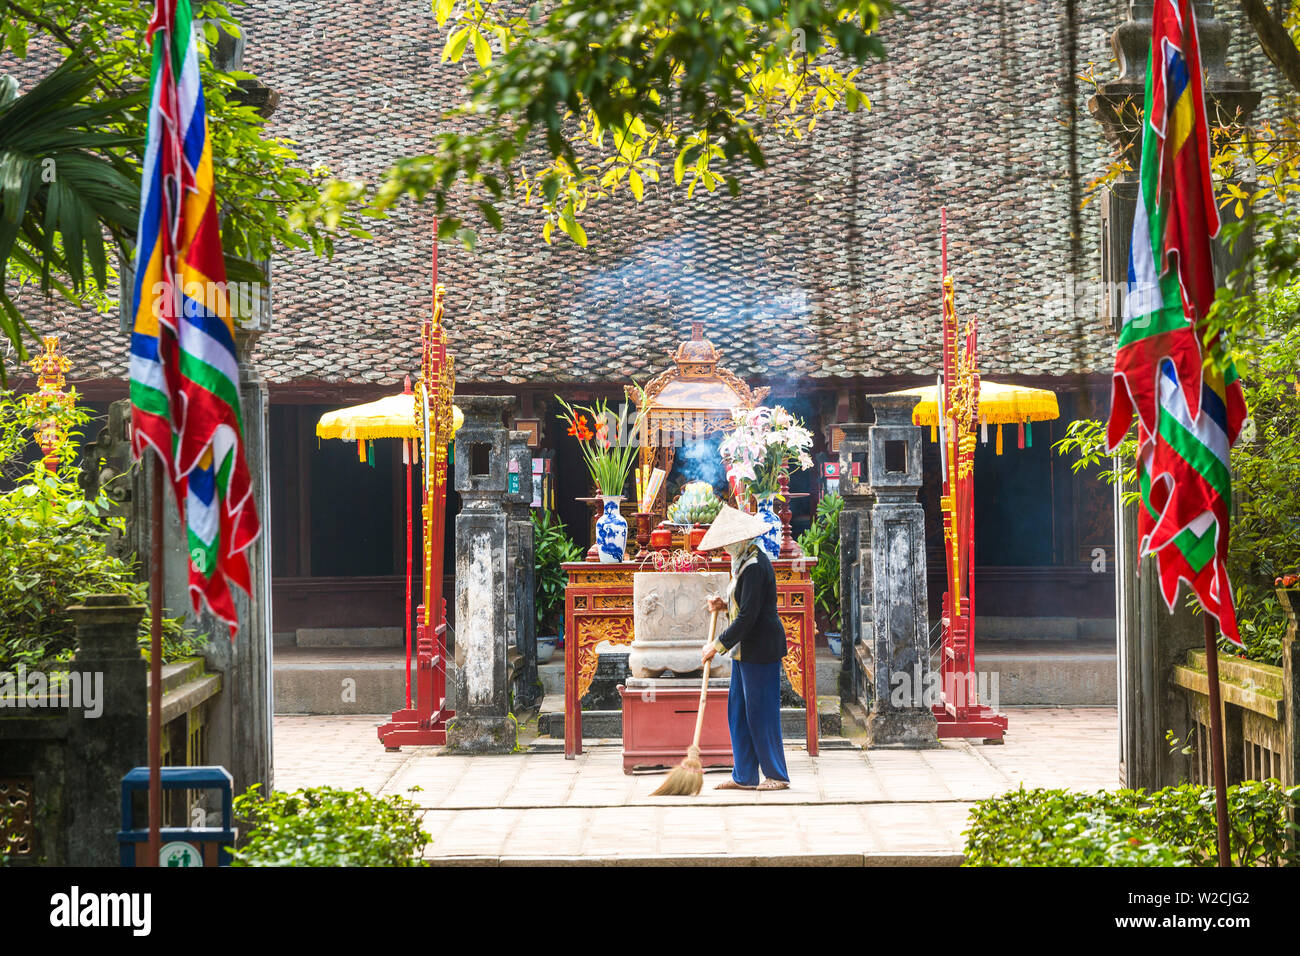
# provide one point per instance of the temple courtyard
(847, 806)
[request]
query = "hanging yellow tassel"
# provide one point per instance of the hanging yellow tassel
(999, 447)
(361, 450)
(934, 433)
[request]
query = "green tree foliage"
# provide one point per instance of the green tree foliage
(572, 102)
(97, 135)
(325, 826)
(65, 184)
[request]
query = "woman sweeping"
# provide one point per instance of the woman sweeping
(756, 641)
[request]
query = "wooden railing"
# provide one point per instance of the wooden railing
(1261, 733)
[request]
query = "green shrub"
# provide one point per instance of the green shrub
(325, 826)
(552, 546)
(52, 540)
(1262, 631)
(1170, 827)
(821, 545)
(54, 546)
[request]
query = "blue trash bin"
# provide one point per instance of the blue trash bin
(181, 846)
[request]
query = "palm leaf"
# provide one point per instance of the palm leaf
(67, 189)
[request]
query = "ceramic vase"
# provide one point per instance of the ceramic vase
(770, 540)
(611, 532)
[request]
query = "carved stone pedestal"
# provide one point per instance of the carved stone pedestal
(671, 623)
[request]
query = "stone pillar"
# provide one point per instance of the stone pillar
(240, 718)
(525, 685)
(480, 680)
(855, 567)
(1149, 639)
(102, 747)
(900, 631)
(239, 728)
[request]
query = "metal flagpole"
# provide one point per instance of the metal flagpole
(1216, 739)
(155, 667)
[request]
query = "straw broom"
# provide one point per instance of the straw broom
(688, 777)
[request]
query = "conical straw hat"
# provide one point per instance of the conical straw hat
(730, 527)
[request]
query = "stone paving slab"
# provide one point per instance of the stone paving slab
(846, 806)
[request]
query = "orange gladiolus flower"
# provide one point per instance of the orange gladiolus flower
(579, 429)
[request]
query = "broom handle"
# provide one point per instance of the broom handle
(704, 684)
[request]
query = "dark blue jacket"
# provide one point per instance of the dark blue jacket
(757, 628)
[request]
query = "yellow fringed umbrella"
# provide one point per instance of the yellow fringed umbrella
(999, 405)
(391, 417)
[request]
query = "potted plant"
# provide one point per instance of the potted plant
(552, 547)
(609, 461)
(765, 445)
(821, 545)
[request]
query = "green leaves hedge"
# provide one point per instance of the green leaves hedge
(325, 826)
(1170, 827)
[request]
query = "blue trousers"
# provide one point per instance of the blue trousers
(754, 714)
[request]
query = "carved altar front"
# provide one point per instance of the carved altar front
(598, 608)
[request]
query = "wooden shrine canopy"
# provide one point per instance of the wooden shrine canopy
(689, 402)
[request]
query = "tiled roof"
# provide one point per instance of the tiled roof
(826, 266)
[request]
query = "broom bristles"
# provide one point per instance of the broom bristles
(686, 779)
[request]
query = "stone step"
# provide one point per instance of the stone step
(311, 680)
(1062, 673)
(1045, 628)
(828, 668)
(608, 724)
(339, 680)
(350, 637)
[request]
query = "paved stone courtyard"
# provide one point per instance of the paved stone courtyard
(845, 806)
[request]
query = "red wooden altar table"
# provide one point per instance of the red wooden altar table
(598, 608)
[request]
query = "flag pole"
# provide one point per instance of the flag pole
(155, 666)
(1216, 739)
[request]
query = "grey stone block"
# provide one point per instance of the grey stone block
(1062, 673)
(350, 637)
(473, 734)
(340, 686)
(910, 728)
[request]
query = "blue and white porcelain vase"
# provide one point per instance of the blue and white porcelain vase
(611, 532)
(770, 540)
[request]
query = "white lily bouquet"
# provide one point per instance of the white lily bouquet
(765, 444)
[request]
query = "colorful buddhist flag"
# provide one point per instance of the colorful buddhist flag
(1189, 413)
(1171, 273)
(184, 371)
(1186, 484)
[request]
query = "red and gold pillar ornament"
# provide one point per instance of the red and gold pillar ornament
(49, 396)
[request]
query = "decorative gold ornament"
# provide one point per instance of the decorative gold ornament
(49, 396)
